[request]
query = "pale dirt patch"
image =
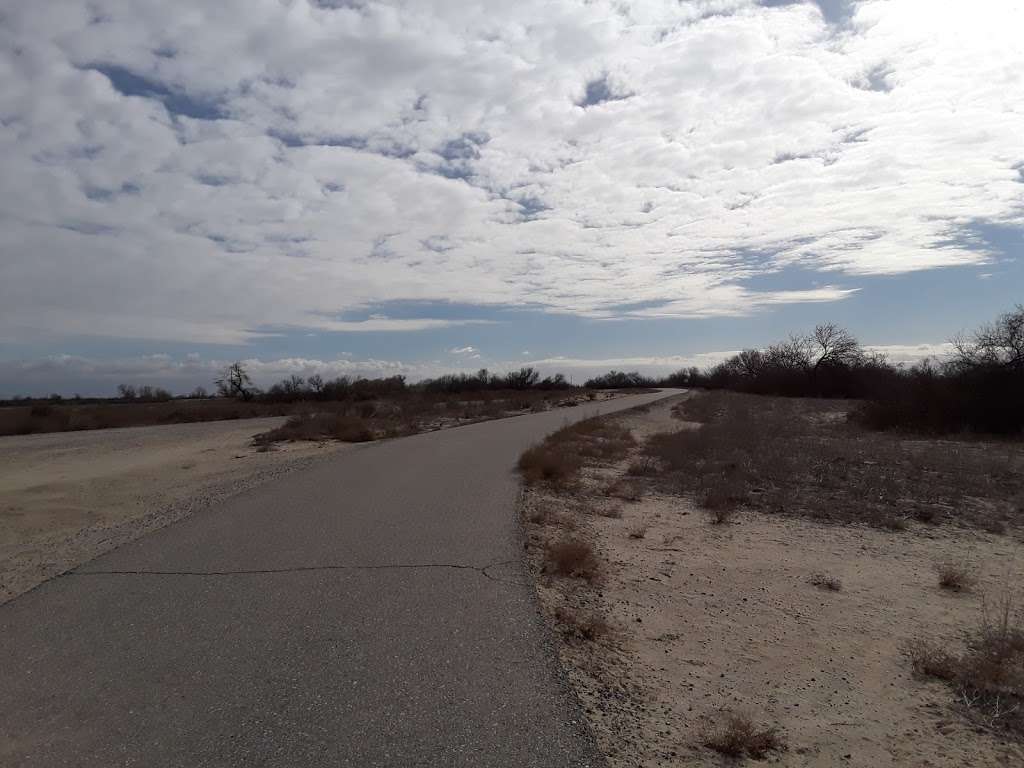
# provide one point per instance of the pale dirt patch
(67, 497)
(709, 618)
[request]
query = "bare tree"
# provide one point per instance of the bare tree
(833, 345)
(794, 354)
(235, 382)
(316, 383)
(999, 344)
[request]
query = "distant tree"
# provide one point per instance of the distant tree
(999, 344)
(126, 392)
(619, 380)
(524, 378)
(316, 383)
(834, 346)
(235, 382)
(199, 393)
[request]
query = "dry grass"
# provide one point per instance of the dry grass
(736, 735)
(586, 626)
(987, 676)
(572, 557)
(550, 463)
(320, 426)
(803, 457)
(626, 490)
(637, 532)
(560, 457)
(402, 413)
(645, 466)
(826, 582)
(956, 577)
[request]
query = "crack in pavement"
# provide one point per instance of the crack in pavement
(483, 570)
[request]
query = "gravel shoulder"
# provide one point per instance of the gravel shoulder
(68, 497)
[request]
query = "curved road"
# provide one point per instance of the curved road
(370, 611)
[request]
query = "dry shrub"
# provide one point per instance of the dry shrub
(736, 735)
(627, 490)
(573, 557)
(560, 457)
(988, 674)
(539, 516)
(638, 531)
(590, 627)
(646, 466)
(319, 426)
(956, 577)
(830, 583)
(721, 515)
(931, 659)
(724, 494)
(550, 463)
(804, 458)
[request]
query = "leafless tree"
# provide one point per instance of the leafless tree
(235, 382)
(999, 344)
(749, 363)
(833, 345)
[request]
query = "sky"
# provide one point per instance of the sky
(353, 187)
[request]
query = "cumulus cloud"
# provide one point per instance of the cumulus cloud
(210, 172)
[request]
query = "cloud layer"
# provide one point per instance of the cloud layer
(207, 172)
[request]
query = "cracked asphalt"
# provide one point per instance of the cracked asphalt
(372, 610)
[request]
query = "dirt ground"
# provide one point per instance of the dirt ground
(67, 497)
(704, 619)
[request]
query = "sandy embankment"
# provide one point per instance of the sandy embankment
(709, 618)
(67, 497)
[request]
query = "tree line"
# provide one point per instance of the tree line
(979, 388)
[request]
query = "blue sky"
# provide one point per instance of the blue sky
(371, 188)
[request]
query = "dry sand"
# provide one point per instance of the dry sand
(67, 497)
(712, 618)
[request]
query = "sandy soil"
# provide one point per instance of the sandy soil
(707, 618)
(67, 497)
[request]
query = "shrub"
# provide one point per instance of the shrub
(956, 577)
(550, 463)
(573, 557)
(830, 583)
(736, 735)
(588, 627)
(988, 675)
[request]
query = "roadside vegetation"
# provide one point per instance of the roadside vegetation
(976, 390)
(985, 669)
(320, 409)
(728, 535)
(807, 458)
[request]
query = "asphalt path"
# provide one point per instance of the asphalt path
(373, 610)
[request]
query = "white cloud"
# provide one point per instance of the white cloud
(908, 354)
(437, 151)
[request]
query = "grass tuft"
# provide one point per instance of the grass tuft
(830, 583)
(736, 735)
(956, 577)
(573, 557)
